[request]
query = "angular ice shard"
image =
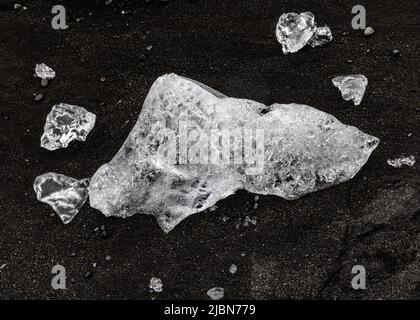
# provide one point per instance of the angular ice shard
(294, 30)
(65, 123)
(321, 37)
(399, 162)
(193, 146)
(64, 194)
(352, 87)
(44, 72)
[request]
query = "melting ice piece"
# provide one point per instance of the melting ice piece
(65, 123)
(321, 37)
(216, 293)
(192, 146)
(44, 72)
(64, 194)
(156, 284)
(294, 30)
(352, 87)
(399, 162)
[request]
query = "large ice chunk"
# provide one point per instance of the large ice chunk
(64, 194)
(44, 72)
(352, 87)
(65, 123)
(294, 30)
(193, 146)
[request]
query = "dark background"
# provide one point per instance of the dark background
(300, 249)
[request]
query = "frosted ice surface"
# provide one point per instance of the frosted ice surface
(64, 194)
(65, 123)
(287, 150)
(44, 72)
(216, 293)
(352, 87)
(294, 30)
(399, 162)
(321, 37)
(156, 284)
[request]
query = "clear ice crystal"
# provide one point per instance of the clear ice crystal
(65, 123)
(294, 30)
(399, 162)
(44, 72)
(64, 194)
(287, 150)
(352, 87)
(321, 37)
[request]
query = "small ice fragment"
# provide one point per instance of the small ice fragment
(249, 220)
(399, 162)
(396, 53)
(156, 284)
(216, 293)
(39, 97)
(44, 72)
(294, 30)
(65, 123)
(233, 268)
(321, 37)
(64, 194)
(352, 87)
(369, 31)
